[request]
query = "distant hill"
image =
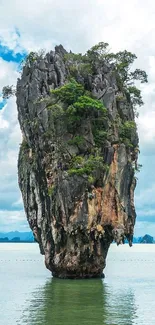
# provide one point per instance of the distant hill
(16, 236)
(147, 239)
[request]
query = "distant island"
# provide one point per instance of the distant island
(16, 237)
(147, 239)
(27, 237)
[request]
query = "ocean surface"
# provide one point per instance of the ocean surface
(29, 295)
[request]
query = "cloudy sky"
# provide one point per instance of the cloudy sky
(34, 24)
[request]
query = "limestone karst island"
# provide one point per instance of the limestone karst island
(78, 156)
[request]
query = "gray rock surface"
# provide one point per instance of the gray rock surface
(74, 223)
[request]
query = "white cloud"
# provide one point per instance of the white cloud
(10, 137)
(146, 196)
(143, 228)
(146, 119)
(10, 220)
(12, 215)
(75, 24)
(3, 123)
(8, 73)
(147, 213)
(146, 127)
(18, 203)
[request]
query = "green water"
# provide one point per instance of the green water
(29, 295)
(78, 302)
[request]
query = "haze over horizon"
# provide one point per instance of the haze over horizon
(78, 26)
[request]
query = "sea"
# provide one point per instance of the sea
(30, 296)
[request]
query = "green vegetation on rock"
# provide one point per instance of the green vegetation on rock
(87, 166)
(80, 105)
(51, 189)
(76, 140)
(127, 133)
(70, 92)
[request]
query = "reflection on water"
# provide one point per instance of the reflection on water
(74, 302)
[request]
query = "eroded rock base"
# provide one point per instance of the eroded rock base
(81, 264)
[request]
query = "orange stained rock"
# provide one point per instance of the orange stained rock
(105, 201)
(112, 212)
(94, 205)
(78, 206)
(100, 229)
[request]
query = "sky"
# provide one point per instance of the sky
(41, 24)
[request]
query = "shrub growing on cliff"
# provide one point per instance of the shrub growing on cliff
(87, 166)
(100, 135)
(73, 57)
(98, 52)
(135, 96)
(78, 64)
(8, 91)
(76, 140)
(127, 132)
(70, 92)
(86, 106)
(32, 57)
(80, 103)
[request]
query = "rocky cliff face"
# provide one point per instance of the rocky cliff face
(76, 167)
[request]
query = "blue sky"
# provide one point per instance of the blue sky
(41, 24)
(8, 55)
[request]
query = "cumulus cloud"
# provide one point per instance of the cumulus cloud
(8, 73)
(10, 137)
(77, 25)
(146, 196)
(144, 227)
(10, 220)
(18, 203)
